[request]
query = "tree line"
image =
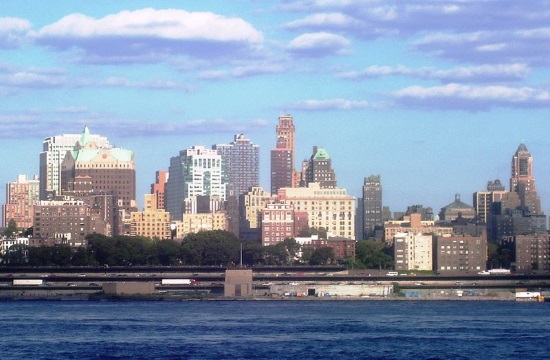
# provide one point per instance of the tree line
(205, 248)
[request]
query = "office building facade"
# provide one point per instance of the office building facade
(54, 149)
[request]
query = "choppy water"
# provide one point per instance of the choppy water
(274, 330)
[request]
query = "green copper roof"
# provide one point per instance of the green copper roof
(86, 136)
(321, 154)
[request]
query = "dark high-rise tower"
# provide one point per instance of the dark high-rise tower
(241, 160)
(319, 169)
(282, 156)
(372, 205)
(522, 181)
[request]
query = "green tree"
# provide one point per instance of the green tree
(11, 230)
(372, 254)
(217, 247)
(275, 254)
(292, 248)
(252, 253)
(102, 249)
(167, 252)
(17, 255)
(322, 256)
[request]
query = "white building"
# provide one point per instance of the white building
(7, 242)
(413, 251)
(197, 171)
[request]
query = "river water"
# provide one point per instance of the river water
(274, 330)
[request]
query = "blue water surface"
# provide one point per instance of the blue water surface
(274, 330)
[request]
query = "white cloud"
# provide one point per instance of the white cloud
(334, 20)
(242, 71)
(330, 104)
(150, 35)
(482, 73)
(13, 32)
(318, 44)
(456, 96)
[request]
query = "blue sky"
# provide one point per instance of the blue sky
(433, 95)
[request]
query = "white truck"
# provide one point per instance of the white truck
(28, 282)
(178, 282)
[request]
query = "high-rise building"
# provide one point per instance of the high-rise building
(197, 171)
(372, 205)
(53, 152)
(282, 156)
(91, 169)
(319, 169)
(241, 159)
(158, 188)
(331, 209)
(251, 205)
(21, 196)
(484, 200)
(522, 181)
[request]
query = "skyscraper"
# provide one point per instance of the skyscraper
(53, 152)
(319, 169)
(21, 196)
(90, 169)
(158, 188)
(197, 171)
(282, 156)
(522, 181)
(241, 159)
(372, 205)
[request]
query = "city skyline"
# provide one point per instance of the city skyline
(434, 103)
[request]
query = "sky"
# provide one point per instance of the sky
(434, 96)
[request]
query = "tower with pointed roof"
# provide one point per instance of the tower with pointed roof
(319, 169)
(53, 152)
(282, 156)
(90, 169)
(522, 180)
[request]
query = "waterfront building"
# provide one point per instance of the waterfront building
(457, 209)
(277, 223)
(152, 222)
(372, 206)
(522, 180)
(331, 209)
(251, 205)
(413, 251)
(343, 248)
(21, 196)
(8, 242)
(413, 224)
(91, 169)
(159, 187)
(197, 171)
(66, 221)
(283, 174)
(532, 252)
(53, 152)
(319, 169)
(241, 159)
(461, 254)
